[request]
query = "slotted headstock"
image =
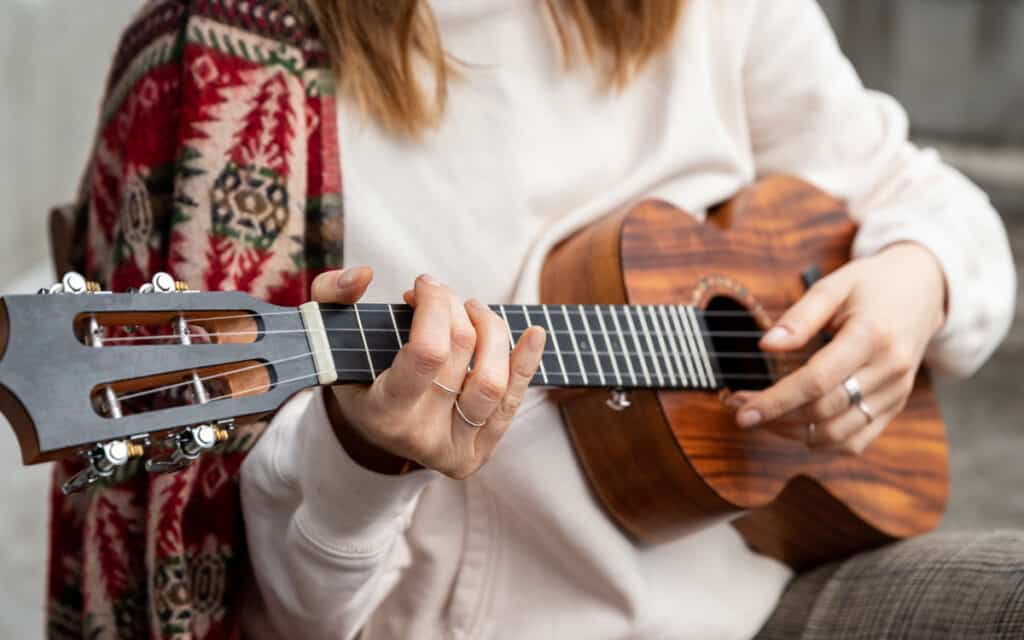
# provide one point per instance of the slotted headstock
(83, 370)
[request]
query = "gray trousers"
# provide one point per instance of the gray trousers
(946, 585)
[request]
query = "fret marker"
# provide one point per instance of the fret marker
(319, 346)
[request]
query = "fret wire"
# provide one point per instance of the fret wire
(661, 343)
(674, 345)
(558, 350)
(608, 345)
(691, 338)
(362, 333)
(593, 347)
(394, 323)
(575, 346)
(700, 345)
(650, 344)
(699, 342)
(636, 343)
(543, 370)
(622, 343)
(683, 344)
(508, 327)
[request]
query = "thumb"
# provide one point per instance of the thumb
(808, 317)
(341, 287)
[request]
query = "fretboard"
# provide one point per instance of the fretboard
(611, 346)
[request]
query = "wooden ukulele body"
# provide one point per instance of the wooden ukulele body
(675, 462)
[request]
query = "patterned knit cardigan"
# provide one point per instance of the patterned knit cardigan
(216, 159)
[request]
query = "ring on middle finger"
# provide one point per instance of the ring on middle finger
(475, 425)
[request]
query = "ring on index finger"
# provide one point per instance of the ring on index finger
(445, 388)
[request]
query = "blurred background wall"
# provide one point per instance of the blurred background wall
(955, 64)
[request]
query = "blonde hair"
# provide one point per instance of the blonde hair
(379, 49)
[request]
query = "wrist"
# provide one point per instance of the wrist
(932, 275)
(362, 451)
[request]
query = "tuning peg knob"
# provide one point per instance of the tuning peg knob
(163, 282)
(102, 461)
(187, 445)
(74, 282)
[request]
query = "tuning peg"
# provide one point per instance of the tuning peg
(163, 282)
(102, 460)
(73, 283)
(186, 446)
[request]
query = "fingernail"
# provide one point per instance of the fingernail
(476, 305)
(776, 335)
(348, 277)
(749, 418)
(429, 280)
(537, 339)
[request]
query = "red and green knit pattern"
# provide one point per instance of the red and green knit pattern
(216, 159)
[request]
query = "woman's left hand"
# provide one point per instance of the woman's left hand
(883, 310)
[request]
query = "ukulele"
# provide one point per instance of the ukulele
(658, 323)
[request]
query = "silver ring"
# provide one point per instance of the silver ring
(811, 428)
(852, 388)
(462, 415)
(445, 388)
(866, 411)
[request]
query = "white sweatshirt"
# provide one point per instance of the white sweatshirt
(528, 153)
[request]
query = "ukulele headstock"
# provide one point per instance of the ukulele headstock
(161, 372)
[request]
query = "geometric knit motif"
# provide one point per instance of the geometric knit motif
(215, 159)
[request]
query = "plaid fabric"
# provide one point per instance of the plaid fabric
(949, 585)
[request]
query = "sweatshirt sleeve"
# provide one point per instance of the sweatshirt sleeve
(326, 536)
(809, 115)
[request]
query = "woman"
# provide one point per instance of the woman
(475, 136)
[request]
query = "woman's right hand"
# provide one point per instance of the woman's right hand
(403, 414)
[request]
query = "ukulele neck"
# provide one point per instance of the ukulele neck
(599, 346)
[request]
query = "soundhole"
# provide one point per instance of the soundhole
(734, 337)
